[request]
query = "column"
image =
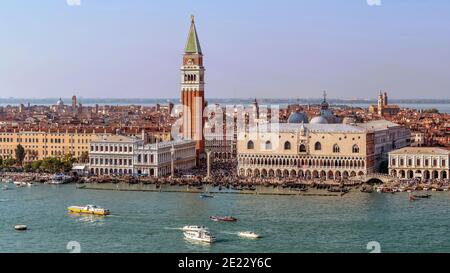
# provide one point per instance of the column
(208, 162)
(172, 163)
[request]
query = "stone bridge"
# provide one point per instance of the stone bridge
(375, 178)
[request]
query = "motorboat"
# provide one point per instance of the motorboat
(89, 209)
(203, 236)
(20, 227)
(223, 219)
(59, 178)
(422, 196)
(249, 234)
(194, 228)
(8, 180)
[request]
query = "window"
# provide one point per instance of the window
(268, 145)
(355, 149)
(393, 162)
(287, 145)
(250, 145)
(336, 148)
(318, 146)
(302, 148)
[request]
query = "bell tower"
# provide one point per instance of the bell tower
(193, 90)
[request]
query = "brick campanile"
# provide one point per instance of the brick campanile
(193, 90)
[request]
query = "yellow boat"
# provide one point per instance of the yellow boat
(88, 209)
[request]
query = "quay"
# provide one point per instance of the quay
(256, 190)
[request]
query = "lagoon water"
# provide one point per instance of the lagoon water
(150, 221)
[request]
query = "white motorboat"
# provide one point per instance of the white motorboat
(202, 236)
(249, 234)
(194, 228)
(58, 179)
(9, 180)
(17, 183)
(20, 227)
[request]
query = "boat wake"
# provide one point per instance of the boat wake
(4, 200)
(172, 228)
(229, 232)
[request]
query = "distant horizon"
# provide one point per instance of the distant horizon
(267, 49)
(67, 100)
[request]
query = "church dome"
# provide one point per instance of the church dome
(319, 120)
(298, 117)
(60, 102)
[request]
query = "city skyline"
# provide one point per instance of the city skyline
(135, 49)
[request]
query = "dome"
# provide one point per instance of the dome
(60, 102)
(319, 120)
(298, 117)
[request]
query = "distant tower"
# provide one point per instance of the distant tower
(385, 98)
(193, 89)
(380, 104)
(256, 108)
(74, 103)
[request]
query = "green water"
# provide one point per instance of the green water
(150, 222)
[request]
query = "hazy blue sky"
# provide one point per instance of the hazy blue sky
(252, 48)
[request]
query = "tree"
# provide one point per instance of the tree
(27, 167)
(84, 158)
(9, 162)
(20, 154)
(35, 165)
(1, 161)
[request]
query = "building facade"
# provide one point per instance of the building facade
(388, 136)
(156, 159)
(41, 144)
(419, 163)
(124, 155)
(112, 154)
(326, 151)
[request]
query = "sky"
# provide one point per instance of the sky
(252, 48)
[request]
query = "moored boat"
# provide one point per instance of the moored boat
(89, 209)
(223, 218)
(59, 178)
(422, 196)
(205, 195)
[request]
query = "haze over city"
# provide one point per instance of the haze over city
(278, 49)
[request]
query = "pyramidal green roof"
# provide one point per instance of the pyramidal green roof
(192, 44)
